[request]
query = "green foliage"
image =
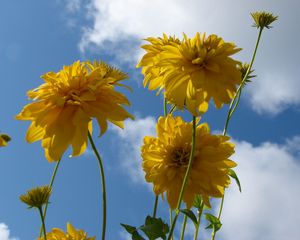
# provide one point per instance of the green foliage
(232, 174)
(215, 223)
(190, 215)
(154, 228)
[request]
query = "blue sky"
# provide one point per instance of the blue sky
(41, 36)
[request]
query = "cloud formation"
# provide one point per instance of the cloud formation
(269, 173)
(5, 233)
(117, 27)
(131, 140)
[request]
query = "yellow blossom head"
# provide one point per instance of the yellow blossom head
(153, 77)
(36, 197)
(4, 139)
(196, 70)
(71, 234)
(63, 106)
(263, 19)
(165, 160)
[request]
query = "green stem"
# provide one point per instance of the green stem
(233, 106)
(183, 227)
(171, 219)
(50, 186)
(199, 220)
(103, 184)
(165, 107)
(187, 173)
(155, 206)
(43, 222)
(172, 109)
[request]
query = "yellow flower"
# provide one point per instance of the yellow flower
(4, 139)
(263, 19)
(65, 104)
(72, 234)
(193, 71)
(166, 157)
(36, 197)
(153, 77)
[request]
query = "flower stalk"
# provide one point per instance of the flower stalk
(187, 173)
(183, 227)
(233, 106)
(103, 184)
(198, 220)
(43, 222)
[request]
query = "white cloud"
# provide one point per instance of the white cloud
(131, 141)
(5, 233)
(267, 208)
(119, 25)
(274, 92)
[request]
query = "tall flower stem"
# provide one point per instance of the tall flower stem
(198, 221)
(233, 106)
(50, 186)
(186, 176)
(103, 184)
(171, 219)
(155, 206)
(43, 222)
(183, 227)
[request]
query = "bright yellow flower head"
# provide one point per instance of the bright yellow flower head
(65, 104)
(71, 234)
(153, 77)
(36, 197)
(166, 157)
(193, 71)
(4, 139)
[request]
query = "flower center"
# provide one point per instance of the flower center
(73, 97)
(180, 157)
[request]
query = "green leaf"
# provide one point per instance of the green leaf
(198, 201)
(232, 174)
(155, 228)
(190, 215)
(215, 223)
(137, 236)
(128, 228)
(133, 232)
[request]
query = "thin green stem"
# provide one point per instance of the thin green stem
(171, 219)
(183, 227)
(155, 206)
(172, 109)
(50, 186)
(165, 107)
(186, 176)
(172, 227)
(103, 184)
(43, 222)
(233, 106)
(200, 210)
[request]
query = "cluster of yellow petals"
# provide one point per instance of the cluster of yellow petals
(71, 234)
(63, 107)
(192, 71)
(165, 160)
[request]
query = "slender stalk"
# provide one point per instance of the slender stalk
(172, 227)
(233, 106)
(183, 227)
(50, 185)
(171, 219)
(155, 206)
(199, 220)
(165, 107)
(43, 222)
(172, 109)
(187, 173)
(103, 184)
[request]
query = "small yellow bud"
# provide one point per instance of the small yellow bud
(4, 139)
(263, 19)
(244, 68)
(36, 197)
